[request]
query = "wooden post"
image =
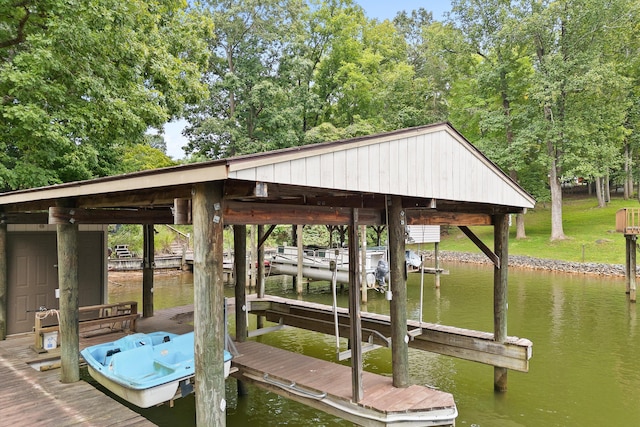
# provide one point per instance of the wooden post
(299, 243)
(436, 255)
(208, 289)
(627, 264)
(67, 239)
(398, 309)
(363, 263)
(633, 247)
(253, 284)
(147, 269)
(3, 281)
(355, 327)
(182, 211)
(500, 300)
(260, 273)
(240, 261)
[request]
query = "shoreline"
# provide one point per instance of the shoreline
(517, 261)
(530, 263)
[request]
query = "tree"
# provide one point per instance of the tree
(141, 157)
(575, 90)
(81, 80)
(251, 106)
(498, 84)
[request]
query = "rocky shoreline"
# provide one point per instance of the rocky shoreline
(531, 263)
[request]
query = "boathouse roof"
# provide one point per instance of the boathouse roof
(429, 166)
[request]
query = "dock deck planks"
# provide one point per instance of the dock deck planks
(319, 376)
(35, 398)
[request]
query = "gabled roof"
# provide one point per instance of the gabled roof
(432, 161)
(427, 162)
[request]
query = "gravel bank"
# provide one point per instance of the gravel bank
(535, 263)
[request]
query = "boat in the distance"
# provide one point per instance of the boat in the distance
(146, 369)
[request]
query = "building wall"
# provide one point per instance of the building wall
(32, 275)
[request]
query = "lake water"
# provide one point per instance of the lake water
(585, 369)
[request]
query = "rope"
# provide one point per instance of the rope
(44, 313)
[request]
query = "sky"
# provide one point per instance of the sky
(380, 9)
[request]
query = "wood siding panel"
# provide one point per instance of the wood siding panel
(352, 168)
(375, 165)
(313, 166)
(297, 168)
(327, 170)
(282, 172)
(385, 180)
(248, 174)
(340, 170)
(413, 165)
(363, 168)
(393, 170)
(265, 173)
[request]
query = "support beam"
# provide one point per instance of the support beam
(355, 336)
(398, 284)
(436, 258)
(432, 217)
(64, 215)
(209, 304)
(262, 237)
(299, 243)
(480, 244)
(500, 300)
(271, 213)
(182, 211)
(67, 240)
(240, 261)
(3, 281)
(148, 264)
(240, 267)
(253, 258)
(363, 263)
(632, 248)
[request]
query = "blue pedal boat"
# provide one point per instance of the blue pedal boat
(146, 369)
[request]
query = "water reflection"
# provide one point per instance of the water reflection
(583, 373)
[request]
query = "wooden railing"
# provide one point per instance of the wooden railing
(117, 316)
(628, 221)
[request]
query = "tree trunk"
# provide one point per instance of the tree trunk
(520, 232)
(607, 189)
(557, 232)
(599, 194)
(628, 185)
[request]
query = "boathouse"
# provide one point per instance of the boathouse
(429, 175)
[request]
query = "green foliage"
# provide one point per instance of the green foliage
(141, 157)
(80, 80)
(127, 234)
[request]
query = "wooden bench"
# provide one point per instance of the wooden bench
(117, 316)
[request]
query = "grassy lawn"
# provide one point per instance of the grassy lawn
(590, 231)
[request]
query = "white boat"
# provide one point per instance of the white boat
(146, 369)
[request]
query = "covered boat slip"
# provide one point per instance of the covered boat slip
(428, 175)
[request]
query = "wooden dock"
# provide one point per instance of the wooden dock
(327, 386)
(38, 398)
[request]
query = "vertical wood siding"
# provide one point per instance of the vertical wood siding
(434, 163)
